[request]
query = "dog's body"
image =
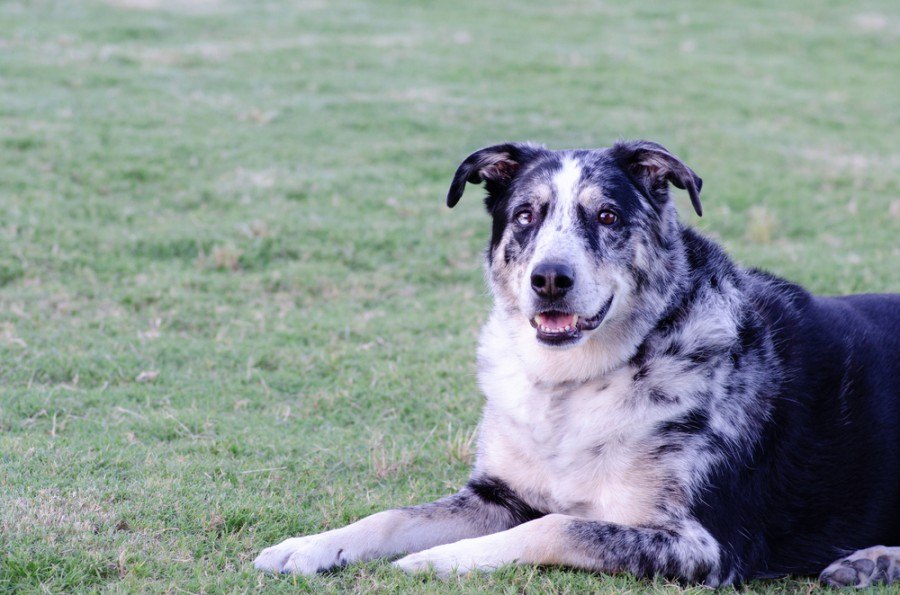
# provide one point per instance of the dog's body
(652, 407)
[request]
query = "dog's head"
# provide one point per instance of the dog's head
(579, 237)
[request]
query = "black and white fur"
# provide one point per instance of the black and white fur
(697, 420)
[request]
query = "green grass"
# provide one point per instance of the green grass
(233, 307)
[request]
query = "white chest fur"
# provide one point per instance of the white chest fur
(578, 447)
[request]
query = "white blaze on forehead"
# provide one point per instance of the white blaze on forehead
(565, 183)
(555, 240)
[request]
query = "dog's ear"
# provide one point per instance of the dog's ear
(653, 166)
(496, 166)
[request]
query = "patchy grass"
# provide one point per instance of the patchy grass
(233, 307)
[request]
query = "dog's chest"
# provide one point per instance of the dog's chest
(575, 449)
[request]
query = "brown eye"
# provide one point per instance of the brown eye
(607, 217)
(525, 217)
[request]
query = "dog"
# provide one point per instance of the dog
(652, 407)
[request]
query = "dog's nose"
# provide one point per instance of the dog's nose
(552, 279)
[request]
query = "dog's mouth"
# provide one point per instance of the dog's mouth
(559, 328)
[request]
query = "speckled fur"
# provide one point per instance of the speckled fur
(720, 423)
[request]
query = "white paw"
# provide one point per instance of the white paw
(302, 555)
(484, 554)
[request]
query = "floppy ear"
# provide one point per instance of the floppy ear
(653, 166)
(496, 166)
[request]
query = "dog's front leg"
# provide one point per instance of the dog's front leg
(685, 550)
(402, 530)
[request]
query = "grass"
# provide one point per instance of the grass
(233, 307)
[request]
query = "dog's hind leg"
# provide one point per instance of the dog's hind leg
(866, 567)
(684, 550)
(482, 507)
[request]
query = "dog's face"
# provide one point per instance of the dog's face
(577, 236)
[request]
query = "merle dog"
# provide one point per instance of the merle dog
(651, 406)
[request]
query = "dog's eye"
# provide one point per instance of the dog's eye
(525, 217)
(607, 217)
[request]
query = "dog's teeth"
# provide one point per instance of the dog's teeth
(575, 320)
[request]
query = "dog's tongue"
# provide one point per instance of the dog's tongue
(555, 321)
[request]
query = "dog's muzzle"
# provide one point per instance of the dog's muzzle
(562, 328)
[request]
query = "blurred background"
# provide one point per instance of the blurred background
(233, 305)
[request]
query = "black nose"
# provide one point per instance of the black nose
(552, 279)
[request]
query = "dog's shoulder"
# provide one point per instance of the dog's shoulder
(812, 331)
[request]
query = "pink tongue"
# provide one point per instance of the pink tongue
(557, 321)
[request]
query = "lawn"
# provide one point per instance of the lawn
(233, 307)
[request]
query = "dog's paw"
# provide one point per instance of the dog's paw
(483, 554)
(866, 567)
(302, 555)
